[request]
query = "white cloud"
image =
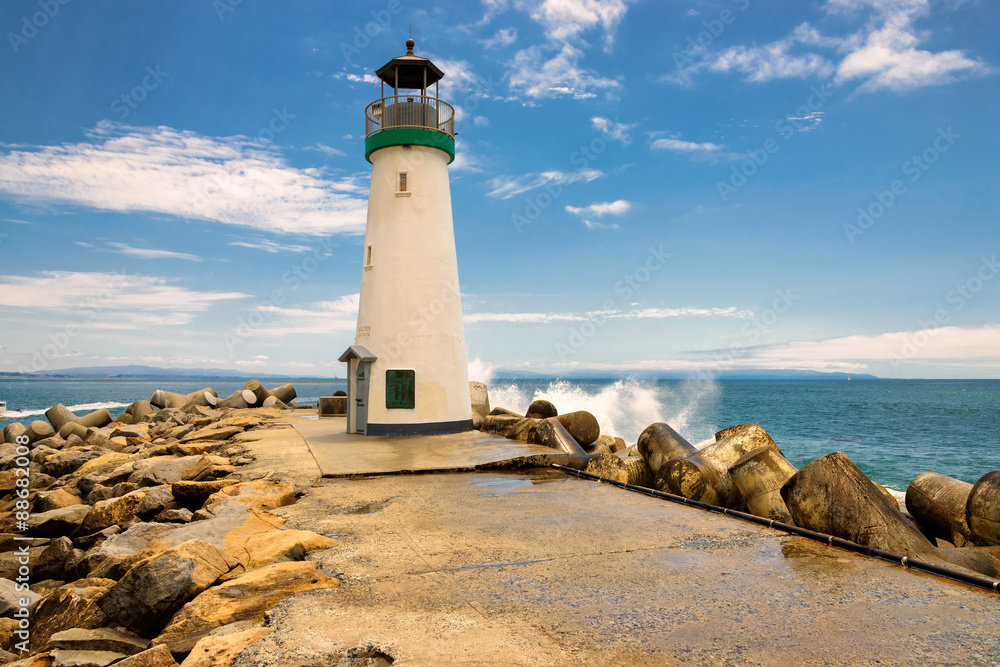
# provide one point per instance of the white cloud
(503, 37)
(108, 300)
(679, 146)
(328, 151)
(536, 77)
(564, 20)
(612, 129)
(505, 187)
(230, 180)
(149, 253)
(323, 318)
(365, 78)
(883, 55)
(271, 246)
(645, 313)
(619, 207)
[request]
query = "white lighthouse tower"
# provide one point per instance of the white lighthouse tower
(407, 371)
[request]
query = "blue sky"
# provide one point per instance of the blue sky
(640, 186)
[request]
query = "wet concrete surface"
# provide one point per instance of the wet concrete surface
(342, 454)
(543, 569)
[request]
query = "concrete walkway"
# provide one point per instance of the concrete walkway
(342, 454)
(539, 568)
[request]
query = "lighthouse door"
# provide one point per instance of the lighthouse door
(362, 382)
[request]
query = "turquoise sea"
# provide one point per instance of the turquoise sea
(892, 429)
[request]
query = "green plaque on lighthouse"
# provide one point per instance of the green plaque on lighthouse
(400, 389)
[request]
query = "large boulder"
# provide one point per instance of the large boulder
(157, 587)
(139, 504)
(61, 521)
(258, 494)
(158, 656)
(53, 500)
(71, 606)
(261, 540)
(832, 496)
(52, 561)
(221, 646)
(10, 598)
(246, 597)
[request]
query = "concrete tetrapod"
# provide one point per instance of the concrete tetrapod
(234, 400)
(759, 476)
(659, 443)
(982, 511)
(705, 475)
(59, 415)
(168, 399)
(832, 496)
(581, 425)
(12, 430)
(480, 403)
(37, 430)
(938, 503)
(551, 433)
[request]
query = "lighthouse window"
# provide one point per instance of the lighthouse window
(402, 183)
(368, 256)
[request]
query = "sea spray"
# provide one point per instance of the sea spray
(623, 408)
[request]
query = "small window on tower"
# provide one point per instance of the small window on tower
(368, 256)
(402, 183)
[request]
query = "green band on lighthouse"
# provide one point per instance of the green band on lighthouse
(414, 136)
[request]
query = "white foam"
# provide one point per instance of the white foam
(480, 371)
(82, 407)
(623, 408)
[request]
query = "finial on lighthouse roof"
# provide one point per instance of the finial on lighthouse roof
(409, 46)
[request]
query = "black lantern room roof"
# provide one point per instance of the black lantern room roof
(409, 71)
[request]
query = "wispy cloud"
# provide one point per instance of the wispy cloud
(321, 318)
(679, 146)
(634, 314)
(537, 76)
(109, 300)
(599, 210)
(503, 37)
(150, 253)
(328, 151)
(271, 246)
(505, 187)
(229, 180)
(612, 129)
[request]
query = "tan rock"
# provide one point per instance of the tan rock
(71, 606)
(158, 586)
(41, 660)
(259, 494)
(119, 511)
(61, 521)
(213, 432)
(74, 658)
(246, 597)
(158, 656)
(261, 540)
(98, 639)
(53, 500)
(220, 650)
(194, 494)
(7, 628)
(104, 459)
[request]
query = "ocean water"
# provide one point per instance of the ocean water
(892, 429)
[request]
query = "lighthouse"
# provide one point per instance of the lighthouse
(407, 370)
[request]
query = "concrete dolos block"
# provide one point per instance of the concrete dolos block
(938, 504)
(983, 508)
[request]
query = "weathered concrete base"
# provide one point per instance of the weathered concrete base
(538, 568)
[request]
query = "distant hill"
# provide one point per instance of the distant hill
(136, 371)
(750, 374)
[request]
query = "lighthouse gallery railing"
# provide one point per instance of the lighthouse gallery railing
(421, 111)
